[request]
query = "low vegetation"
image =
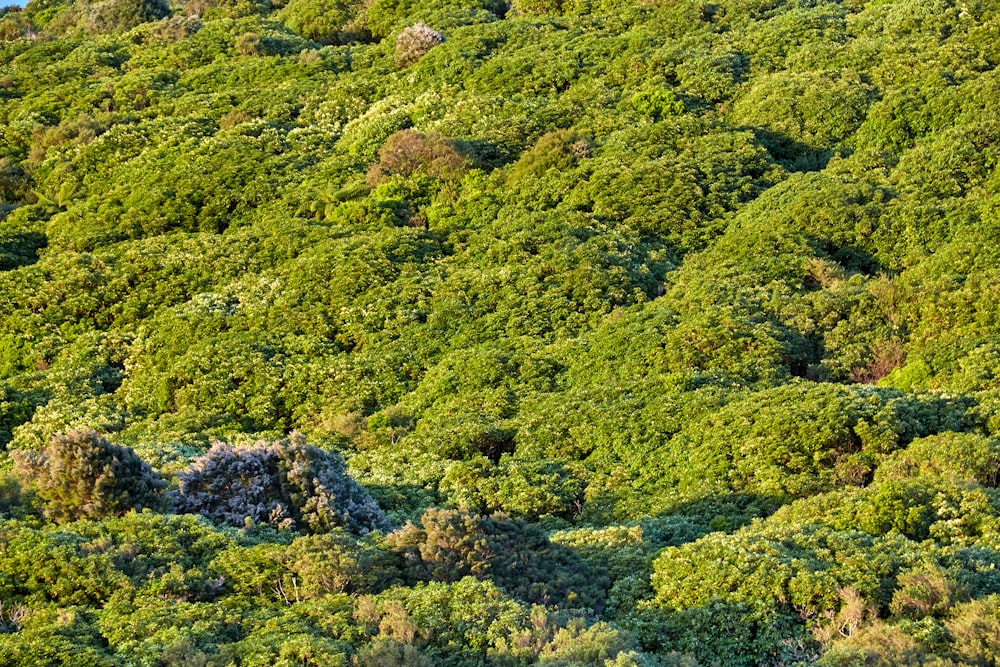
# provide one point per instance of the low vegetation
(626, 333)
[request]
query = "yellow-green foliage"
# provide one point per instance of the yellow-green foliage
(625, 332)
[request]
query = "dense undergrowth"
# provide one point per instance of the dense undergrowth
(625, 333)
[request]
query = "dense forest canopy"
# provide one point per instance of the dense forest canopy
(626, 333)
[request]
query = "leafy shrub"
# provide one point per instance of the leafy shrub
(15, 407)
(10, 493)
(512, 554)
(14, 25)
(799, 110)
(216, 9)
(390, 653)
(415, 41)
(175, 28)
(656, 103)
(325, 21)
(924, 591)
(81, 475)
(118, 15)
(51, 636)
(527, 489)
(408, 153)
(577, 644)
(311, 567)
(554, 153)
(537, 6)
(953, 456)
(249, 44)
(457, 622)
(338, 563)
(385, 17)
(975, 631)
(287, 484)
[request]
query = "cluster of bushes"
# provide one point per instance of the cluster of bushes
(644, 333)
(286, 484)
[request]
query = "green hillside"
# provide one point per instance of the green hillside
(625, 333)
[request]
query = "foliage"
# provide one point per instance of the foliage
(408, 153)
(323, 21)
(114, 15)
(287, 484)
(666, 333)
(516, 556)
(80, 474)
(529, 489)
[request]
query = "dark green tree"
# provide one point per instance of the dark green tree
(81, 475)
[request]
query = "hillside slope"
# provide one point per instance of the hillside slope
(621, 333)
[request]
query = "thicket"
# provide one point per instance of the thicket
(628, 333)
(287, 484)
(80, 475)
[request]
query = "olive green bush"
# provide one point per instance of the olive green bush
(451, 544)
(325, 22)
(80, 474)
(116, 15)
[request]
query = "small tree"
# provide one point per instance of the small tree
(513, 554)
(415, 41)
(325, 21)
(408, 152)
(81, 475)
(249, 44)
(118, 15)
(287, 484)
(384, 652)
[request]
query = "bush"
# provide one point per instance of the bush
(311, 567)
(409, 153)
(550, 7)
(656, 104)
(923, 591)
(553, 153)
(414, 42)
(287, 484)
(14, 25)
(512, 554)
(975, 631)
(383, 652)
(10, 493)
(959, 457)
(798, 111)
(81, 475)
(325, 21)
(117, 15)
(217, 9)
(530, 489)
